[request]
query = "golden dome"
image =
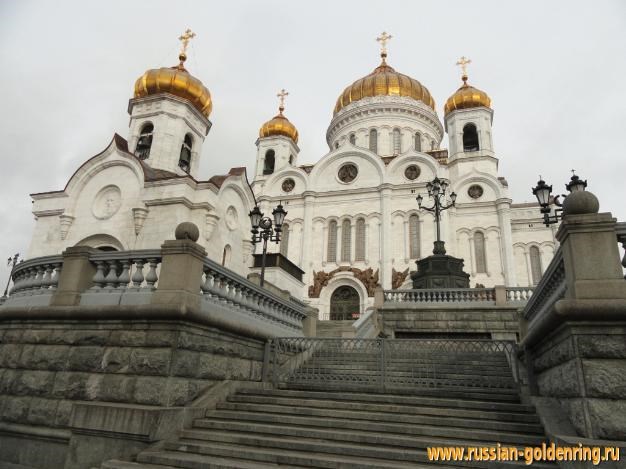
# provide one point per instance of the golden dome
(279, 125)
(384, 81)
(466, 97)
(177, 81)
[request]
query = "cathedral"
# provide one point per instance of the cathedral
(353, 223)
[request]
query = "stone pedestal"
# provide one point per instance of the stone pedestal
(440, 271)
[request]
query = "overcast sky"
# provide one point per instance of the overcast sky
(556, 73)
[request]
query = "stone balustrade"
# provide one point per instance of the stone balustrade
(519, 294)
(36, 276)
(224, 287)
(443, 295)
(550, 289)
(125, 269)
(620, 230)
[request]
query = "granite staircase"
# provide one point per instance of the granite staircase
(311, 420)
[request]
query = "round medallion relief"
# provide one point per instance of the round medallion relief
(475, 191)
(288, 185)
(107, 202)
(232, 218)
(347, 173)
(412, 172)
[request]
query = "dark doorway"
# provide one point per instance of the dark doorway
(345, 304)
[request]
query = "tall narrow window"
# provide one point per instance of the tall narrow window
(479, 253)
(226, 255)
(433, 145)
(185, 154)
(359, 254)
(346, 240)
(535, 264)
(336, 145)
(414, 237)
(470, 138)
(418, 141)
(284, 241)
(290, 159)
(331, 255)
(352, 139)
(374, 140)
(397, 142)
(145, 142)
(268, 164)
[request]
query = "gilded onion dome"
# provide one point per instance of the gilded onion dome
(177, 81)
(384, 81)
(466, 97)
(279, 124)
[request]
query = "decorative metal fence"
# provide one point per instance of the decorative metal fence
(386, 364)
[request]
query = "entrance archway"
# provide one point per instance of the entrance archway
(345, 304)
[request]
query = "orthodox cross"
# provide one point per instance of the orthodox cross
(185, 38)
(383, 39)
(462, 62)
(281, 97)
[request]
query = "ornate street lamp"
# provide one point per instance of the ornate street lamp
(543, 192)
(12, 261)
(264, 229)
(437, 191)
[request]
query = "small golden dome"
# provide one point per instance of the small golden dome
(384, 81)
(177, 81)
(466, 97)
(279, 125)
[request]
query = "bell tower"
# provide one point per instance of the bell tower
(169, 116)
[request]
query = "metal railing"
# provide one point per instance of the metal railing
(549, 290)
(36, 276)
(388, 364)
(225, 287)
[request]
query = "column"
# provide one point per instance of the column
(306, 248)
(386, 239)
(503, 207)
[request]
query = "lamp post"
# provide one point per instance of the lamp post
(12, 261)
(265, 229)
(437, 191)
(543, 192)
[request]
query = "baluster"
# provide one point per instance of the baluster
(138, 274)
(47, 278)
(38, 281)
(17, 280)
(151, 277)
(124, 278)
(54, 279)
(111, 278)
(206, 285)
(99, 279)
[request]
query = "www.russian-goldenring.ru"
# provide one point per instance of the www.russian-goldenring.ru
(528, 454)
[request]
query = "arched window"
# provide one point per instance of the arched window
(352, 139)
(414, 237)
(397, 142)
(479, 253)
(268, 164)
(145, 142)
(290, 159)
(535, 264)
(331, 255)
(470, 138)
(185, 154)
(345, 304)
(374, 140)
(433, 144)
(284, 241)
(226, 255)
(336, 145)
(359, 254)
(418, 141)
(346, 240)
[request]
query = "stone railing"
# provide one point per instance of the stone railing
(222, 287)
(36, 276)
(443, 295)
(550, 289)
(519, 294)
(126, 269)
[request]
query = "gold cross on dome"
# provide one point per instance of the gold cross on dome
(463, 62)
(281, 97)
(185, 38)
(383, 39)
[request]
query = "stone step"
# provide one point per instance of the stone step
(409, 400)
(421, 436)
(118, 464)
(503, 371)
(502, 395)
(284, 458)
(372, 420)
(341, 357)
